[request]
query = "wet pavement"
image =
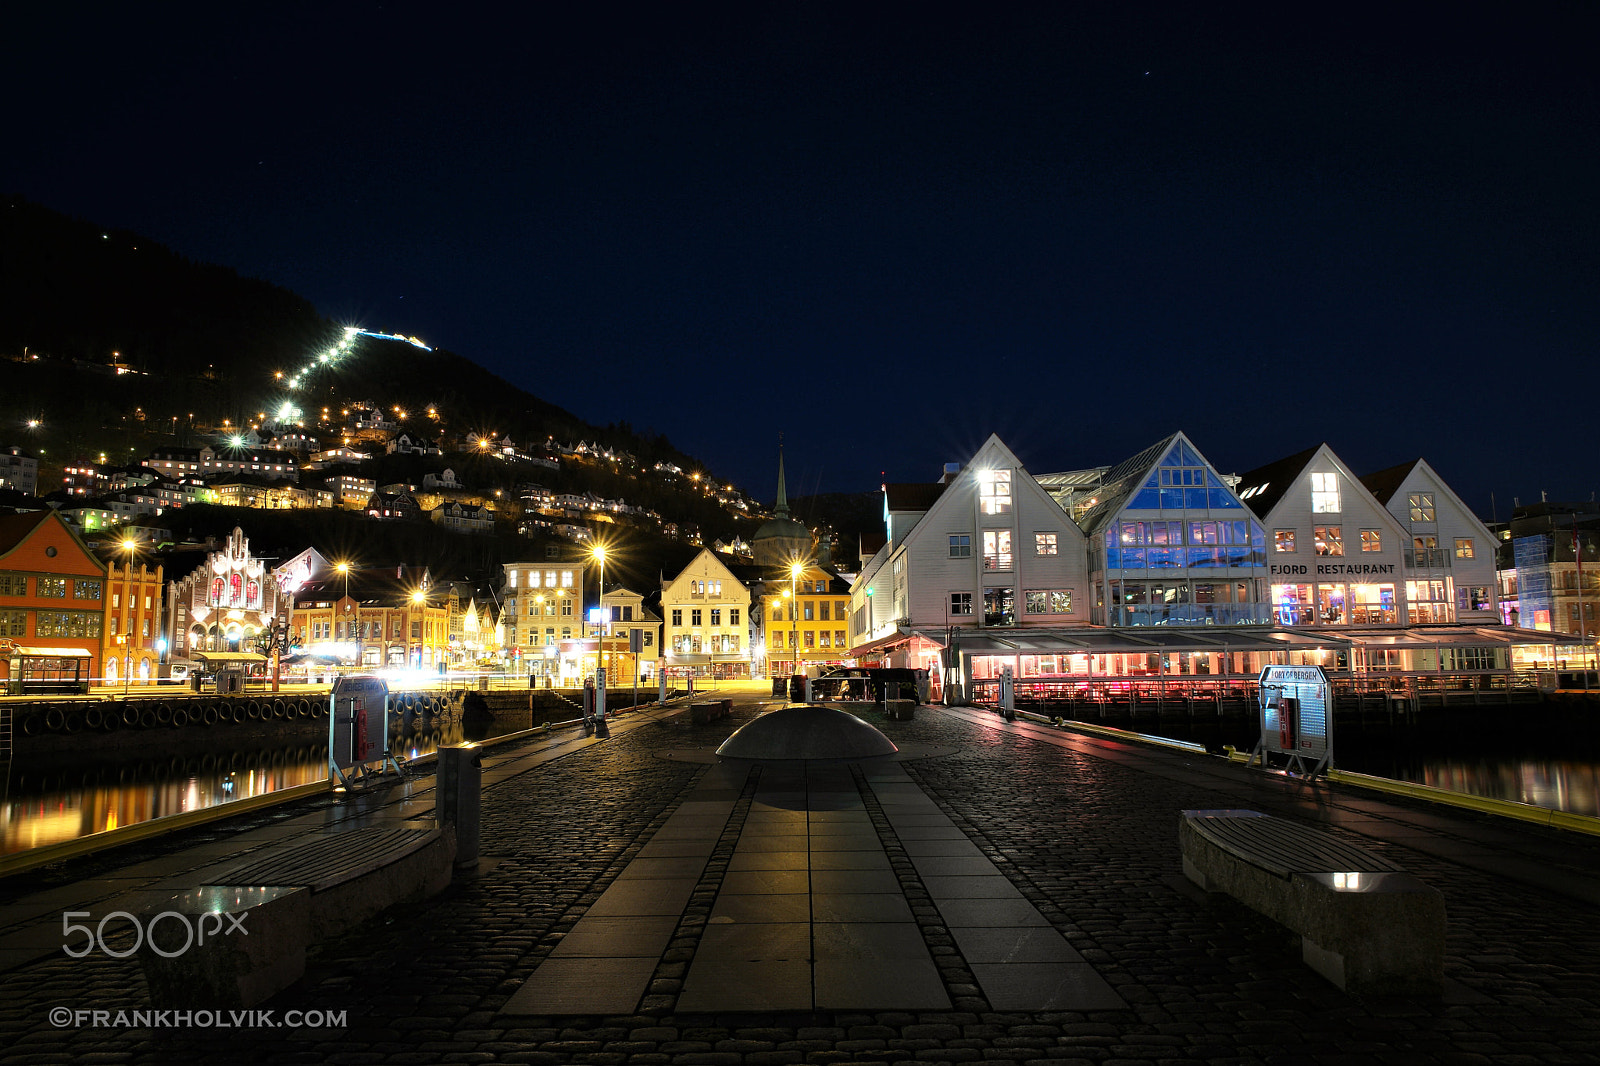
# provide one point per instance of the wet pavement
(1016, 894)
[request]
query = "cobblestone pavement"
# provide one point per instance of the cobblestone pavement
(1090, 840)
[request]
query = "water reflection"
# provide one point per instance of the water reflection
(1557, 784)
(47, 802)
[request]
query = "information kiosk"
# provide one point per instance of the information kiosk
(358, 729)
(1296, 718)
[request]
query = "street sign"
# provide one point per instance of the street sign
(1296, 708)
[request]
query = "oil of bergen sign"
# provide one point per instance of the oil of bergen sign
(1296, 718)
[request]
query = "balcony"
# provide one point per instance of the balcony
(999, 561)
(1427, 559)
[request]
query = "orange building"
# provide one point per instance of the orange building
(52, 603)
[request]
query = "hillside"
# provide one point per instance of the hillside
(199, 345)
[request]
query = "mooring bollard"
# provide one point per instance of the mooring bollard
(457, 798)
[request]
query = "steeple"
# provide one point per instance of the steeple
(783, 495)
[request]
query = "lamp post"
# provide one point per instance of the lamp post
(128, 545)
(344, 568)
(794, 616)
(599, 553)
(419, 603)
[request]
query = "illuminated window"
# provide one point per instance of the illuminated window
(838, 639)
(961, 603)
(1283, 540)
(1324, 493)
(823, 610)
(716, 616)
(566, 579)
(52, 587)
(1421, 505)
(1329, 540)
(1463, 547)
(1044, 544)
(997, 549)
(1371, 540)
(994, 492)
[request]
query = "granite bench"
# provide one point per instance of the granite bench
(1364, 923)
(273, 904)
(709, 711)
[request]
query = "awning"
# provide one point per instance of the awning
(50, 653)
(218, 658)
(1102, 641)
(688, 659)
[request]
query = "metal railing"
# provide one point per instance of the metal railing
(1138, 690)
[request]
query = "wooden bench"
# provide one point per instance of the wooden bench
(1364, 923)
(276, 902)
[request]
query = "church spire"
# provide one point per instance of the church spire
(783, 495)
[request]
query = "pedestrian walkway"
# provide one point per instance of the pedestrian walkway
(1006, 890)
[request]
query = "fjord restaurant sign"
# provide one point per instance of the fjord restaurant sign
(1332, 569)
(1297, 715)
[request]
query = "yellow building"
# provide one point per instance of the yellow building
(373, 623)
(707, 631)
(628, 614)
(132, 641)
(809, 614)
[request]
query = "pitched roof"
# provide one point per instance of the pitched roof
(912, 496)
(1385, 483)
(1263, 487)
(1119, 482)
(16, 528)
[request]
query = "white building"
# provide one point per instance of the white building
(542, 618)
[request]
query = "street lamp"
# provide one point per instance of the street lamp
(795, 569)
(129, 545)
(419, 600)
(344, 568)
(599, 553)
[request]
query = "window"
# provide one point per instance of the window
(777, 639)
(1329, 540)
(1048, 601)
(1371, 540)
(1472, 598)
(1324, 493)
(822, 638)
(1421, 506)
(777, 612)
(838, 639)
(549, 579)
(997, 549)
(1283, 540)
(822, 611)
(13, 623)
(566, 579)
(627, 613)
(716, 616)
(994, 492)
(13, 585)
(1463, 547)
(808, 611)
(54, 587)
(1044, 544)
(90, 590)
(961, 545)
(960, 603)
(811, 639)
(66, 623)
(839, 610)
(677, 616)
(999, 606)
(648, 638)
(695, 616)
(566, 608)
(733, 616)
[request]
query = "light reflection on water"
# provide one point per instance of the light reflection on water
(1557, 784)
(65, 802)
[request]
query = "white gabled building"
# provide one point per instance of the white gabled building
(1445, 542)
(984, 548)
(1335, 555)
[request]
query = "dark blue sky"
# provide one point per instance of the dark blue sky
(890, 233)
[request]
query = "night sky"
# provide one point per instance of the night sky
(889, 233)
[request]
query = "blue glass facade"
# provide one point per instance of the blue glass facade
(1182, 550)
